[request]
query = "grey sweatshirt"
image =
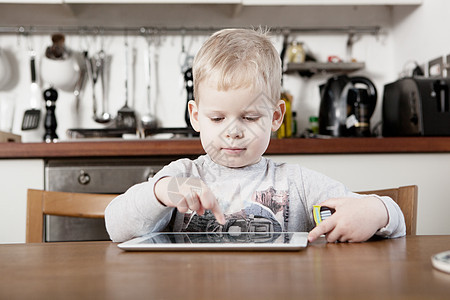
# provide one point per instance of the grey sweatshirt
(266, 196)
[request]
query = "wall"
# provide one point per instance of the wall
(420, 34)
(168, 93)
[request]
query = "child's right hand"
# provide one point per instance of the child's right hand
(188, 193)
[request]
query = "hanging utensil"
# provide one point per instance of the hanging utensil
(95, 70)
(104, 72)
(92, 75)
(32, 116)
(80, 82)
(148, 119)
(97, 67)
(126, 117)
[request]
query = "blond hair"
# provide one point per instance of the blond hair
(239, 58)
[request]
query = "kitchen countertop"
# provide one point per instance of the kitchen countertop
(134, 148)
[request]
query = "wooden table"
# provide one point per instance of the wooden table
(386, 269)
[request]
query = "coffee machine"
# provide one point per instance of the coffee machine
(417, 106)
(346, 106)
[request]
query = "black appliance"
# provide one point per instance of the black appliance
(417, 106)
(346, 106)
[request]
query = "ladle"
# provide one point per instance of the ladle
(104, 116)
(148, 119)
(95, 67)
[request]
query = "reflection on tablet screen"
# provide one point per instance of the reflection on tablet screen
(220, 238)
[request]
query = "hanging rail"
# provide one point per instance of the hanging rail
(93, 30)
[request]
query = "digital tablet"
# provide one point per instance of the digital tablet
(186, 241)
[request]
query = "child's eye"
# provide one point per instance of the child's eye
(216, 119)
(251, 118)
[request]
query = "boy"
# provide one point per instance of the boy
(237, 77)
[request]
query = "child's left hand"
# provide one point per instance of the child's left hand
(355, 220)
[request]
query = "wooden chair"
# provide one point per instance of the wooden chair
(406, 198)
(40, 203)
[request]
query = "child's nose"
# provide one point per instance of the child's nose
(235, 132)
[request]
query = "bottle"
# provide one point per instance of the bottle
(314, 124)
(294, 123)
(296, 53)
(285, 130)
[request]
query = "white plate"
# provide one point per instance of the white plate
(441, 261)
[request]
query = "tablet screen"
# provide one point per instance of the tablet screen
(218, 241)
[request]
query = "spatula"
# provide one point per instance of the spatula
(126, 118)
(31, 117)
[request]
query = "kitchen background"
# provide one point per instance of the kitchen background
(410, 30)
(386, 53)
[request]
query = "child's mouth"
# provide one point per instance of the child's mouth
(233, 151)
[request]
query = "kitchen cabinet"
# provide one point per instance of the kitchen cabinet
(331, 2)
(33, 1)
(244, 2)
(16, 176)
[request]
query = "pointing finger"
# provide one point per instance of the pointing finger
(220, 217)
(209, 201)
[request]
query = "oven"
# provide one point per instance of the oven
(105, 175)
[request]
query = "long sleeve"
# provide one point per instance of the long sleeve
(135, 213)
(396, 226)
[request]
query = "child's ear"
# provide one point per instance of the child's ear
(193, 115)
(278, 114)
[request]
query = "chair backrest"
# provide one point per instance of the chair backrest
(40, 203)
(406, 198)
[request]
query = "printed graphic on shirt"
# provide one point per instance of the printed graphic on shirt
(268, 211)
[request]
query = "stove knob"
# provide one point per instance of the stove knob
(84, 178)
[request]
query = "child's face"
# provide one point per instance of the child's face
(235, 125)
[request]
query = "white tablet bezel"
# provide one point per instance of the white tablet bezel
(297, 242)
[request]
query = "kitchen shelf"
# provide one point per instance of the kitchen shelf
(317, 67)
(152, 1)
(259, 2)
(189, 147)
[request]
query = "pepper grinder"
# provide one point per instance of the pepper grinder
(50, 124)
(189, 84)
